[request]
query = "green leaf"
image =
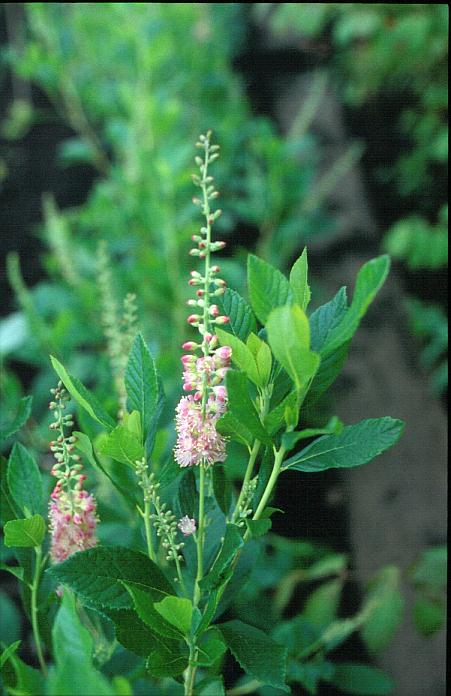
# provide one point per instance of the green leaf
(430, 571)
(369, 280)
(241, 406)
(177, 611)
(22, 415)
(121, 445)
(131, 631)
(17, 571)
(333, 427)
(326, 318)
(289, 337)
(276, 418)
(96, 575)
(262, 357)
(242, 321)
(144, 604)
(29, 681)
(210, 686)
(268, 287)
(361, 680)
(143, 387)
(166, 662)
(387, 608)
(222, 489)
(187, 496)
(428, 615)
(25, 533)
(231, 426)
(298, 281)
(322, 604)
(83, 396)
(73, 645)
(233, 541)
(241, 355)
(259, 656)
(258, 528)
(24, 480)
(356, 445)
(8, 651)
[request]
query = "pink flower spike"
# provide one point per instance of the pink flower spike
(187, 526)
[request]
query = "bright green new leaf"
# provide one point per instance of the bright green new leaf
(120, 444)
(322, 604)
(25, 533)
(298, 281)
(262, 356)
(259, 656)
(74, 673)
(177, 611)
(96, 575)
(268, 287)
(361, 680)
(24, 480)
(132, 421)
(289, 337)
(355, 445)
(83, 396)
(8, 651)
(242, 356)
(242, 321)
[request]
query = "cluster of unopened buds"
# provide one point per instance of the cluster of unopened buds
(205, 364)
(72, 510)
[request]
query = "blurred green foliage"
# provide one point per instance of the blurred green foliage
(137, 82)
(399, 51)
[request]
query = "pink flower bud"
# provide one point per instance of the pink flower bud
(214, 310)
(215, 269)
(189, 345)
(188, 359)
(193, 319)
(225, 352)
(222, 320)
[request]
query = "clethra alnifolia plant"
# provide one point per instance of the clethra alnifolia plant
(197, 503)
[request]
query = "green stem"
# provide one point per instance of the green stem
(247, 477)
(279, 455)
(148, 527)
(34, 609)
(191, 671)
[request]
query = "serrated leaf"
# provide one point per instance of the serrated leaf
(242, 321)
(144, 605)
(361, 680)
(387, 607)
(166, 662)
(356, 445)
(241, 407)
(83, 396)
(370, 279)
(24, 480)
(259, 656)
(268, 287)
(131, 631)
(96, 575)
(25, 533)
(122, 446)
(143, 387)
(241, 355)
(298, 281)
(289, 337)
(233, 541)
(178, 611)
(21, 417)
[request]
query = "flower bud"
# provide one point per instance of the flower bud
(222, 320)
